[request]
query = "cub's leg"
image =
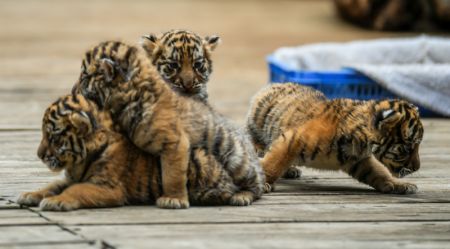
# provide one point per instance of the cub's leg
(279, 157)
(84, 195)
(34, 198)
(291, 173)
(174, 162)
(372, 172)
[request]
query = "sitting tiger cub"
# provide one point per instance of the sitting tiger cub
(183, 59)
(104, 169)
(120, 79)
(370, 140)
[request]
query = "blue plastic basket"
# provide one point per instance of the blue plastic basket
(344, 83)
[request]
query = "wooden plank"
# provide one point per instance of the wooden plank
(55, 245)
(264, 242)
(36, 235)
(14, 217)
(258, 213)
(274, 235)
(7, 204)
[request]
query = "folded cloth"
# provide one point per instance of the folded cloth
(417, 69)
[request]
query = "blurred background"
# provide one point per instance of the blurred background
(41, 42)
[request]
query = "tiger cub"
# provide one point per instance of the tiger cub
(183, 59)
(104, 169)
(120, 78)
(370, 140)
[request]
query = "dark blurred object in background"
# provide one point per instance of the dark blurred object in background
(441, 12)
(394, 14)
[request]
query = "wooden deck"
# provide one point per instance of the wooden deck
(41, 43)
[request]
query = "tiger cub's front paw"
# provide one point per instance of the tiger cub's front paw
(57, 203)
(31, 199)
(172, 202)
(398, 187)
(243, 198)
(268, 187)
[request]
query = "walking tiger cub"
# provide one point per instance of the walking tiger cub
(183, 59)
(120, 78)
(370, 140)
(104, 169)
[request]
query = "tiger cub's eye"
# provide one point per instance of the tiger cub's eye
(173, 65)
(198, 64)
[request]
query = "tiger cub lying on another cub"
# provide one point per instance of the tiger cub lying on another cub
(370, 140)
(104, 169)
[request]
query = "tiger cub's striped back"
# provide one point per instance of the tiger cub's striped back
(370, 140)
(183, 59)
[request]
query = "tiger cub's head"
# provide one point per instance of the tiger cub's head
(182, 58)
(70, 132)
(402, 132)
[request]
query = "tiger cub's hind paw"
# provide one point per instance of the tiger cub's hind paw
(172, 203)
(243, 198)
(293, 173)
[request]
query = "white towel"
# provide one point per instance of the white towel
(417, 69)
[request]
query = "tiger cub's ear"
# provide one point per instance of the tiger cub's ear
(149, 43)
(211, 42)
(387, 119)
(81, 123)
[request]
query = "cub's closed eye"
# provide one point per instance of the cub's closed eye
(173, 65)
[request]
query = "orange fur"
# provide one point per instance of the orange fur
(368, 140)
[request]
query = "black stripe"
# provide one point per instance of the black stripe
(127, 55)
(293, 137)
(139, 187)
(67, 106)
(53, 114)
(93, 157)
(94, 53)
(72, 145)
(352, 170)
(75, 98)
(340, 150)
(386, 146)
(136, 120)
(407, 115)
(115, 47)
(330, 147)
(150, 172)
(160, 186)
(315, 152)
(302, 153)
(92, 120)
(364, 175)
(197, 166)
(218, 142)
(88, 59)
